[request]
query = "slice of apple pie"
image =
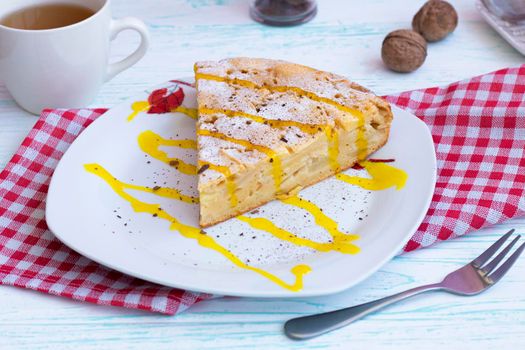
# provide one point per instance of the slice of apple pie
(267, 128)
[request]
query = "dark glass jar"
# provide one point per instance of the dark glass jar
(283, 12)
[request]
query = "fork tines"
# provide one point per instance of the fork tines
(481, 264)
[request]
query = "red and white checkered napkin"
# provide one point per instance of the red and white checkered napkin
(478, 127)
(479, 131)
(31, 256)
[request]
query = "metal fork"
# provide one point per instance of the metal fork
(471, 279)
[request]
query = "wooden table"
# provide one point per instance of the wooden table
(345, 38)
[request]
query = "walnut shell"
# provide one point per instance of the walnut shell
(435, 20)
(404, 50)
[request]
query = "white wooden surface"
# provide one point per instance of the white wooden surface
(345, 38)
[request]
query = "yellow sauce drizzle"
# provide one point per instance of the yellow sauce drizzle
(307, 128)
(230, 183)
(190, 112)
(274, 159)
(340, 241)
(383, 176)
(361, 142)
(321, 219)
(150, 142)
(192, 232)
(166, 192)
(138, 107)
(333, 149)
(268, 226)
(251, 85)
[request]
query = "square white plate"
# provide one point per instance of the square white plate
(86, 214)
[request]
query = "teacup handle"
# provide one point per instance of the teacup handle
(118, 25)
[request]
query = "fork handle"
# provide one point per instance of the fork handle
(311, 326)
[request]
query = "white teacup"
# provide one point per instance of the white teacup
(63, 67)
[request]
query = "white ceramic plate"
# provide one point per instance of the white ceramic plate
(87, 215)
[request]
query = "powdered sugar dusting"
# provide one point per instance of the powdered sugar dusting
(255, 133)
(266, 104)
(224, 153)
(281, 73)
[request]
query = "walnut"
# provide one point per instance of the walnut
(404, 50)
(435, 20)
